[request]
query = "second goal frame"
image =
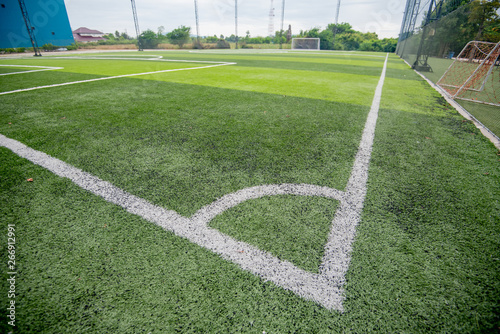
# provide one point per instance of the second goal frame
(305, 43)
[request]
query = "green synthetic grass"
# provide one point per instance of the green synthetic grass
(266, 223)
(425, 258)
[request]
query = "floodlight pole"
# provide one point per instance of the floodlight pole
(29, 27)
(282, 21)
(136, 22)
(236, 21)
(197, 22)
(270, 28)
(336, 23)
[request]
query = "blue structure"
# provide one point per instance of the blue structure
(49, 19)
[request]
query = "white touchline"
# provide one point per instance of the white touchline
(114, 77)
(324, 288)
(152, 58)
(41, 68)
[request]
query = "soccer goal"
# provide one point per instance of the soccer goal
(475, 74)
(305, 43)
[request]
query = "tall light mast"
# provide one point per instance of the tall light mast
(282, 22)
(270, 29)
(137, 31)
(29, 27)
(197, 22)
(236, 20)
(336, 23)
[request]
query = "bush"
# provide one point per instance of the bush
(149, 39)
(48, 47)
(222, 44)
(244, 45)
(197, 44)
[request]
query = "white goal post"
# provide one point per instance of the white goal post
(474, 74)
(305, 43)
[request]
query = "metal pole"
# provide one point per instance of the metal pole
(197, 22)
(282, 22)
(270, 28)
(236, 20)
(136, 21)
(29, 27)
(336, 23)
(419, 64)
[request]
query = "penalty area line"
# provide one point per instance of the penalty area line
(41, 69)
(114, 77)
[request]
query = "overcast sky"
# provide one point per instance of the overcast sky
(216, 17)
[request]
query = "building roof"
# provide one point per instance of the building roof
(87, 31)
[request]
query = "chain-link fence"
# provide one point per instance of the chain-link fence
(445, 29)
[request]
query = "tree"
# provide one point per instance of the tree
(483, 13)
(341, 28)
(350, 41)
(161, 29)
(211, 39)
(326, 40)
(231, 38)
(148, 39)
(125, 36)
(313, 33)
(179, 36)
(223, 44)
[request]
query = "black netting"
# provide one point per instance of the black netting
(434, 46)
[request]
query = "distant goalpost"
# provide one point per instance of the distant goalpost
(305, 43)
(474, 75)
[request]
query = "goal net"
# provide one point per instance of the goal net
(305, 43)
(475, 74)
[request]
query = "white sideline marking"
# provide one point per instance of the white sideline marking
(153, 58)
(42, 68)
(272, 51)
(116, 77)
(324, 288)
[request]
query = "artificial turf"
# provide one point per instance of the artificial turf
(425, 258)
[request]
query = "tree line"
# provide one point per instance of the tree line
(334, 37)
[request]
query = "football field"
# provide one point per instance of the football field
(242, 192)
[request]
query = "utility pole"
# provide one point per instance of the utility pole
(29, 27)
(137, 31)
